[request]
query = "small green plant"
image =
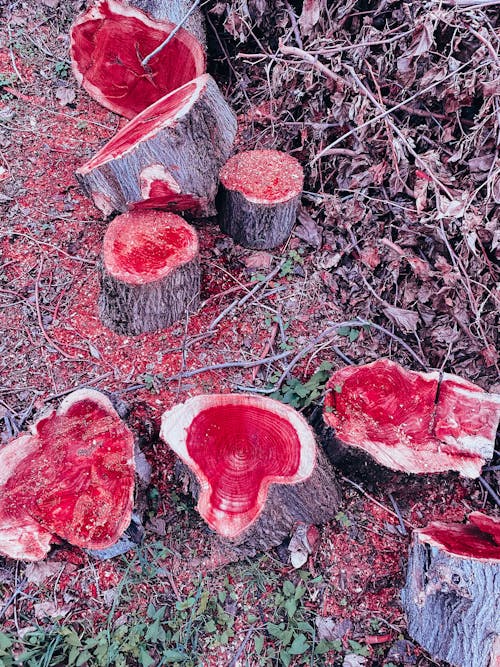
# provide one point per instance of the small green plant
(294, 257)
(62, 69)
(301, 394)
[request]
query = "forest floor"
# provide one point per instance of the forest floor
(399, 226)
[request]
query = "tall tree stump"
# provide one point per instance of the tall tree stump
(254, 467)
(452, 592)
(259, 196)
(168, 157)
(175, 11)
(150, 275)
(71, 478)
(413, 422)
(108, 44)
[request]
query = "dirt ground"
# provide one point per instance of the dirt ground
(399, 226)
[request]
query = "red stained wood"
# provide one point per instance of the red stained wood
(167, 157)
(71, 478)
(108, 43)
(257, 468)
(264, 176)
(412, 421)
(145, 247)
(479, 539)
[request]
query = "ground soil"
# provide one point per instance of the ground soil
(399, 226)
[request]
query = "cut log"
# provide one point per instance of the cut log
(109, 42)
(452, 592)
(168, 157)
(150, 274)
(413, 422)
(71, 478)
(175, 11)
(254, 467)
(259, 196)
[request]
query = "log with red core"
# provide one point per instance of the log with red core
(109, 42)
(150, 274)
(413, 422)
(168, 157)
(259, 196)
(452, 596)
(256, 467)
(71, 478)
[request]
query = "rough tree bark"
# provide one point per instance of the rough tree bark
(168, 157)
(452, 592)
(259, 196)
(108, 44)
(413, 422)
(150, 273)
(254, 467)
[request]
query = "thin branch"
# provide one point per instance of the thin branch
(161, 46)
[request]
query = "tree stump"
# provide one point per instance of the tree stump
(452, 592)
(254, 467)
(150, 275)
(71, 478)
(259, 196)
(175, 11)
(109, 42)
(168, 157)
(413, 422)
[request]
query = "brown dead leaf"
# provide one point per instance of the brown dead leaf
(51, 3)
(65, 95)
(311, 11)
(407, 320)
(370, 256)
(302, 543)
(332, 630)
(420, 193)
(50, 610)
(38, 572)
(258, 260)
(490, 355)
(308, 229)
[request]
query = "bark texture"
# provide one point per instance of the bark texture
(134, 309)
(190, 151)
(313, 501)
(175, 11)
(253, 225)
(452, 605)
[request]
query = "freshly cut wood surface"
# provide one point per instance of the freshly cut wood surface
(168, 157)
(150, 275)
(413, 422)
(254, 464)
(452, 596)
(71, 478)
(109, 42)
(259, 197)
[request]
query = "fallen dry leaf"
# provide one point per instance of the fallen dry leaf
(308, 229)
(38, 572)
(258, 260)
(407, 320)
(311, 11)
(65, 95)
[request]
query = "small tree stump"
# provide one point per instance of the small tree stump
(168, 157)
(175, 11)
(71, 478)
(150, 274)
(109, 42)
(259, 196)
(254, 467)
(413, 422)
(452, 592)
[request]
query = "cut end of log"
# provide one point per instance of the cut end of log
(72, 478)
(108, 43)
(479, 539)
(164, 112)
(413, 422)
(237, 446)
(264, 176)
(144, 247)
